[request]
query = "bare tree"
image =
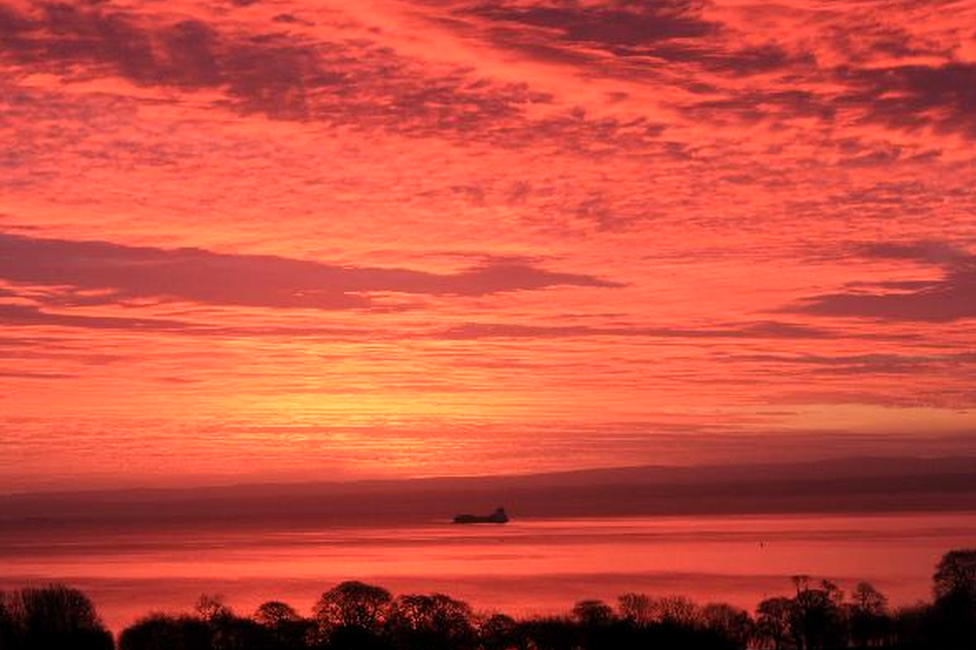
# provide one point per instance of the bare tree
(638, 609)
(868, 616)
(730, 622)
(678, 610)
(212, 607)
(774, 618)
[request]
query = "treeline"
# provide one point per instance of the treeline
(358, 616)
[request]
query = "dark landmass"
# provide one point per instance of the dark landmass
(840, 485)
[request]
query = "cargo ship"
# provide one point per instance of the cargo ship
(497, 517)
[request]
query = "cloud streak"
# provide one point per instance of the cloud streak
(759, 330)
(102, 272)
(949, 298)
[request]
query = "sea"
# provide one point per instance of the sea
(525, 567)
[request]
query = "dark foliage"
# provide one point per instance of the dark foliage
(55, 616)
(162, 632)
(357, 616)
(434, 622)
(954, 611)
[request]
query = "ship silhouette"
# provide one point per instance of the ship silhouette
(497, 517)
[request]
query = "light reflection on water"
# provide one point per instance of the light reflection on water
(526, 566)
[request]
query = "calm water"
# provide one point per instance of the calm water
(523, 567)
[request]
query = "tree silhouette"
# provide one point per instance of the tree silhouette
(433, 622)
(728, 622)
(678, 611)
(357, 616)
(211, 607)
(595, 621)
(275, 613)
(8, 631)
(548, 633)
(637, 609)
(912, 627)
(866, 598)
(353, 604)
(590, 613)
(774, 617)
(164, 632)
(954, 585)
(955, 575)
(869, 622)
(818, 619)
(499, 632)
(54, 616)
(287, 629)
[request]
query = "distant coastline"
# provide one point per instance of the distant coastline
(827, 486)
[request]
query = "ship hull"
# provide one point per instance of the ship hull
(475, 519)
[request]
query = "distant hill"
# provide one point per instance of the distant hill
(839, 485)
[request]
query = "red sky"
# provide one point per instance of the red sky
(276, 240)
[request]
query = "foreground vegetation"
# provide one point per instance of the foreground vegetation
(357, 616)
